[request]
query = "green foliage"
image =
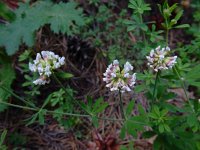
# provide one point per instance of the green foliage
(135, 24)
(133, 124)
(63, 103)
(2, 139)
(154, 35)
(62, 17)
(7, 76)
(177, 140)
(23, 58)
(64, 75)
(139, 6)
(160, 119)
(94, 107)
(57, 97)
(17, 139)
(167, 11)
(5, 12)
(175, 126)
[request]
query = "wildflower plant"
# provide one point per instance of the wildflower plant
(45, 63)
(159, 59)
(119, 79)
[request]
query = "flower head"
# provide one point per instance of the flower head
(158, 59)
(117, 79)
(44, 64)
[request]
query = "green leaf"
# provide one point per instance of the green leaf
(144, 27)
(135, 124)
(65, 17)
(154, 116)
(131, 28)
(179, 14)
(129, 108)
(3, 136)
(174, 6)
(64, 75)
(32, 119)
(182, 26)
(7, 76)
(101, 108)
(41, 116)
(141, 109)
(133, 2)
(167, 128)
(191, 120)
(163, 112)
(156, 110)
(123, 131)
(161, 128)
(140, 88)
(25, 55)
(95, 121)
(62, 17)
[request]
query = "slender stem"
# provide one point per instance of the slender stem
(155, 85)
(16, 96)
(67, 114)
(71, 97)
(36, 109)
(121, 105)
(184, 88)
(167, 37)
(141, 21)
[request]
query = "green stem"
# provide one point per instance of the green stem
(141, 21)
(35, 109)
(121, 105)
(184, 88)
(16, 96)
(167, 37)
(155, 85)
(71, 97)
(67, 114)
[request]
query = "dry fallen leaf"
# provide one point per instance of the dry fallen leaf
(99, 143)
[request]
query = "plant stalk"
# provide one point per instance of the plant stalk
(155, 85)
(184, 88)
(141, 21)
(16, 96)
(71, 97)
(121, 105)
(67, 114)
(167, 37)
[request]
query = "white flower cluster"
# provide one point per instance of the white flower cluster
(158, 59)
(117, 79)
(44, 64)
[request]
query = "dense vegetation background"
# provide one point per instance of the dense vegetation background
(76, 110)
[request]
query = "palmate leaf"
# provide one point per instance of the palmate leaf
(62, 17)
(7, 75)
